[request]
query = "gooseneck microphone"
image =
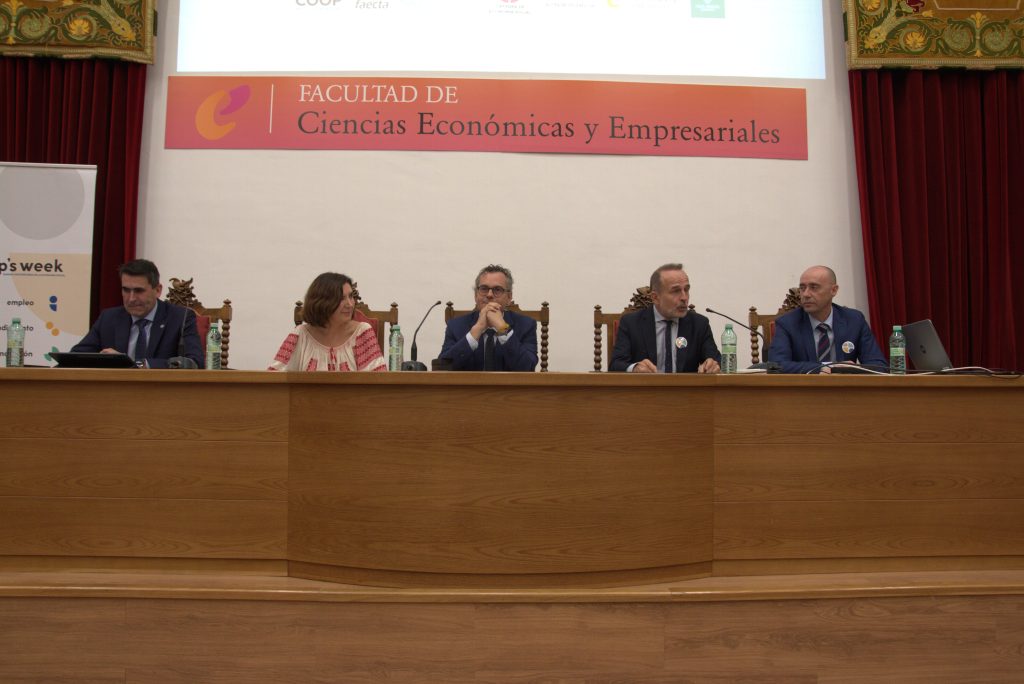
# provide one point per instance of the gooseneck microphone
(770, 366)
(182, 361)
(719, 313)
(413, 364)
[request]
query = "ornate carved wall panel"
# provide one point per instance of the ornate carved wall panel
(122, 29)
(934, 33)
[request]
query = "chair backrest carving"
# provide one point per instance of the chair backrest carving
(766, 322)
(541, 315)
(641, 299)
(181, 293)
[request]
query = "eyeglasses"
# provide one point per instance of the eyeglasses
(484, 289)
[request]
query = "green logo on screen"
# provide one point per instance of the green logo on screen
(707, 9)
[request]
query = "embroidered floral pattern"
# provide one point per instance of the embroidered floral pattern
(99, 28)
(284, 354)
(368, 352)
(301, 352)
(926, 33)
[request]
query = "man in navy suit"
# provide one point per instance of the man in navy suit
(145, 328)
(489, 337)
(666, 337)
(820, 332)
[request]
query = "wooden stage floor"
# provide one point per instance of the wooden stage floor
(856, 627)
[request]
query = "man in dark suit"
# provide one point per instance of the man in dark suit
(666, 337)
(820, 332)
(145, 328)
(489, 337)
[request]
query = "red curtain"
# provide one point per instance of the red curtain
(940, 165)
(58, 111)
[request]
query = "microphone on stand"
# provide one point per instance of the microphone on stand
(770, 366)
(413, 364)
(182, 361)
(719, 313)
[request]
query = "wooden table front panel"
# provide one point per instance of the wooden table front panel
(567, 479)
(869, 468)
(134, 465)
(499, 481)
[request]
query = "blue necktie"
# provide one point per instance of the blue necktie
(669, 347)
(142, 341)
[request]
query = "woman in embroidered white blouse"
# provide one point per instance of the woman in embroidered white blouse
(330, 338)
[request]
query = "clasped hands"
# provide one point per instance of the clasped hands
(491, 316)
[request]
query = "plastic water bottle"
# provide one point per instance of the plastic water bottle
(728, 349)
(396, 350)
(15, 344)
(897, 351)
(213, 347)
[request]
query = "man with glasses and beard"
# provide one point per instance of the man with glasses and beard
(490, 338)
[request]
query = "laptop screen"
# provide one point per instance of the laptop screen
(924, 346)
(91, 360)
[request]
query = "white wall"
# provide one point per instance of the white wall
(414, 227)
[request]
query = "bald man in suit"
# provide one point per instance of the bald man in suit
(820, 333)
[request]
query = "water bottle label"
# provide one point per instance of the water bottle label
(897, 351)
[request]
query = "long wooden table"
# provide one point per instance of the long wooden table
(472, 479)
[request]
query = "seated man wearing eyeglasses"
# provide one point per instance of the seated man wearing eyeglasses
(489, 337)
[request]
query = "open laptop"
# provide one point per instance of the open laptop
(924, 347)
(91, 360)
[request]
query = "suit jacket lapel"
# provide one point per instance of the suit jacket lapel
(684, 328)
(650, 335)
(478, 355)
(839, 332)
(123, 331)
(807, 336)
(156, 331)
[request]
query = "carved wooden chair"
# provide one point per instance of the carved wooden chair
(377, 319)
(641, 299)
(766, 322)
(541, 315)
(181, 293)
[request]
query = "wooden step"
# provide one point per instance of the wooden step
(281, 588)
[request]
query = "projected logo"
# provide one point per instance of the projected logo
(707, 9)
(510, 7)
(214, 117)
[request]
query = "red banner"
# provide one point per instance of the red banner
(484, 115)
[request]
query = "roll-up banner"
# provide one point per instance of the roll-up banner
(46, 226)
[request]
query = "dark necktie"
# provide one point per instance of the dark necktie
(824, 346)
(142, 341)
(489, 350)
(669, 347)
